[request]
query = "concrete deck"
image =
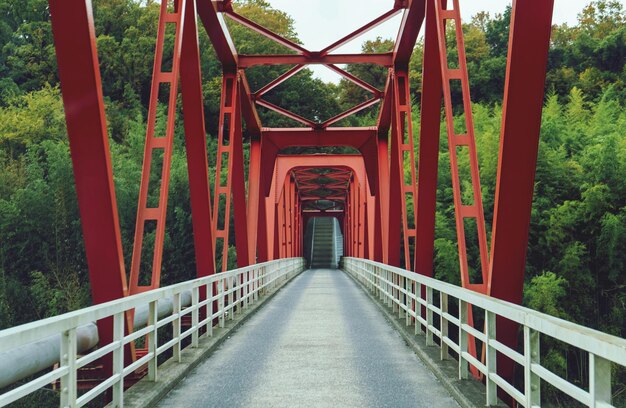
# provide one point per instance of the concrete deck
(319, 343)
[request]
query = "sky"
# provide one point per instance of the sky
(321, 22)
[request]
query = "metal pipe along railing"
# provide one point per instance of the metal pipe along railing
(70, 334)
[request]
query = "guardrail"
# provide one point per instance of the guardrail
(231, 291)
(399, 288)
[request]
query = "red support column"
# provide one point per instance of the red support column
(237, 167)
(362, 218)
(523, 100)
(233, 193)
(396, 181)
(404, 154)
(255, 237)
(195, 143)
(79, 72)
(382, 203)
(151, 212)
(426, 201)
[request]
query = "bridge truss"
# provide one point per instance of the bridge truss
(371, 193)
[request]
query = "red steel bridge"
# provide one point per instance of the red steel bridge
(369, 193)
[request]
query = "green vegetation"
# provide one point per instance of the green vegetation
(576, 267)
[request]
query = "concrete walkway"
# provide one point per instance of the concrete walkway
(319, 343)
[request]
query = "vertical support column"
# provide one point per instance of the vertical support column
(255, 215)
(382, 203)
(523, 100)
(430, 119)
(195, 144)
(403, 155)
(233, 192)
(237, 167)
(157, 145)
(396, 181)
(362, 219)
(79, 72)
(465, 140)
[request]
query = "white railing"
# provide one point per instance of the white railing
(232, 291)
(397, 288)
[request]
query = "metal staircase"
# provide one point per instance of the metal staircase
(323, 253)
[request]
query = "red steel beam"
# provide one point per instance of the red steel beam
(248, 108)
(247, 61)
(267, 33)
(523, 99)
(428, 160)
(384, 115)
(195, 144)
(286, 113)
(407, 36)
(361, 30)
(355, 80)
(222, 43)
(79, 73)
(351, 112)
(278, 81)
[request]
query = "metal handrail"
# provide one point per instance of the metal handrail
(232, 291)
(402, 290)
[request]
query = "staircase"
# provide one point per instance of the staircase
(323, 251)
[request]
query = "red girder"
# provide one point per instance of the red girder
(246, 61)
(361, 30)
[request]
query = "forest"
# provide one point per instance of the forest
(576, 264)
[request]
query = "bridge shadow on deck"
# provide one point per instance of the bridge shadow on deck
(319, 343)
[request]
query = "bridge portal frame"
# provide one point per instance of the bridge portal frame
(74, 36)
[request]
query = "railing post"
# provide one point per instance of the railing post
(210, 293)
(238, 290)
(176, 328)
(599, 380)
(418, 309)
(221, 290)
(118, 360)
(399, 292)
(443, 324)
(152, 340)
(231, 297)
(491, 358)
(395, 284)
(429, 317)
(246, 288)
(68, 358)
(463, 340)
(408, 285)
(195, 316)
(532, 382)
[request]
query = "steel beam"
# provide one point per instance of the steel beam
(361, 30)
(79, 73)
(407, 36)
(216, 29)
(428, 161)
(247, 61)
(195, 144)
(523, 100)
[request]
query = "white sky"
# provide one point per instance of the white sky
(321, 22)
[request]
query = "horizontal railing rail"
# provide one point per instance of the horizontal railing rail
(224, 294)
(403, 290)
